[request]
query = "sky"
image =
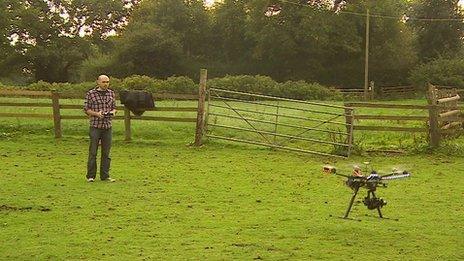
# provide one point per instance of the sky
(211, 2)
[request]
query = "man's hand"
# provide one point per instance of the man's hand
(99, 114)
(95, 114)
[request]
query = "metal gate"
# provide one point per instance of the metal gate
(281, 123)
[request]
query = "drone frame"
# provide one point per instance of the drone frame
(370, 182)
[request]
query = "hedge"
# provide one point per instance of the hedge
(184, 85)
(448, 72)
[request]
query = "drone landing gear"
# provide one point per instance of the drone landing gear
(371, 202)
(351, 202)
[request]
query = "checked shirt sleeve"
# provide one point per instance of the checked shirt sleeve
(113, 105)
(86, 102)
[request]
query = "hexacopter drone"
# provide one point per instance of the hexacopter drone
(357, 180)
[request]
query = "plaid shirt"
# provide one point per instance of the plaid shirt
(100, 101)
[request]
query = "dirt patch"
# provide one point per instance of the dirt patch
(14, 208)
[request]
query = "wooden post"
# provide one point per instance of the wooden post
(366, 59)
(56, 113)
(276, 122)
(127, 123)
(201, 108)
(434, 131)
(371, 90)
(349, 121)
(208, 93)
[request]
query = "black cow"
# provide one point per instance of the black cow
(137, 101)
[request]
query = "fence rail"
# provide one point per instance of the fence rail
(406, 118)
(460, 91)
(443, 114)
(397, 90)
(285, 118)
(80, 95)
(351, 91)
(383, 91)
(57, 107)
(357, 93)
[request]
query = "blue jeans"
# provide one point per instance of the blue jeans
(105, 136)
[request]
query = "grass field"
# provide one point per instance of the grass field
(220, 201)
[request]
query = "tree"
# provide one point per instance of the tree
(188, 19)
(146, 49)
(230, 30)
(6, 50)
(306, 41)
(288, 45)
(392, 52)
(438, 38)
(185, 23)
(51, 37)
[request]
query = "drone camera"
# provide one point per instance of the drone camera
(373, 203)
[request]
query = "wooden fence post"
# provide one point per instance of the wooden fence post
(276, 122)
(56, 113)
(434, 131)
(127, 124)
(349, 121)
(371, 90)
(201, 108)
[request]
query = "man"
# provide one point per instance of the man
(100, 106)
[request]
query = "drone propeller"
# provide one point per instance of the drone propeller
(404, 174)
(329, 169)
(357, 171)
(393, 170)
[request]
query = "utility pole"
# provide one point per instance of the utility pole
(366, 65)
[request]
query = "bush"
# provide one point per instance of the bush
(245, 83)
(83, 87)
(446, 72)
(179, 84)
(138, 82)
(267, 86)
(95, 65)
(40, 86)
(77, 87)
(184, 85)
(307, 91)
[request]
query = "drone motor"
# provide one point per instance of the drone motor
(370, 182)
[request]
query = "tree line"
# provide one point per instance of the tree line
(74, 41)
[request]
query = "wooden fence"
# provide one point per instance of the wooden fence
(57, 107)
(445, 115)
(398, 91)
(442, 116)
(352, 92)
(407, 118)
(460, 91)
(380, 92)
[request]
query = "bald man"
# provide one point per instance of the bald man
(100, 106)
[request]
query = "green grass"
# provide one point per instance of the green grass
(219, 201)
